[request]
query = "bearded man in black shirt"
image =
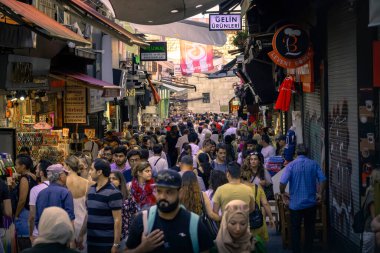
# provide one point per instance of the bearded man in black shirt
(168, 227)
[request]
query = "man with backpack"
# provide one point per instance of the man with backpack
(156, 161)
(168, 226)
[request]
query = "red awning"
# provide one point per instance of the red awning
(31, 17)
(107, 24)
(84, 80)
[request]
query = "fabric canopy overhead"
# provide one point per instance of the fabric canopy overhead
(185, 30)
(84, 80)
(153, 12)
(28, 15)
(374, 12)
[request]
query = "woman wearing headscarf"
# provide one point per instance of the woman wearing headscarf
(56, 231)
(234, 235)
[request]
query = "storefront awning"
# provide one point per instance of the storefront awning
(159, 12)
(171, 87)
(88, 82)
(189, 30)
(104, 23)
(28, 15)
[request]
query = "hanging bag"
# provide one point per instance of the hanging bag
(256, 219)
(207, 221)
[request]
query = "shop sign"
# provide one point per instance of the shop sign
(65, 132)
(96, 102)
(291, 47)
(90, 133)
(130, 92)
(49, 140)
(24, 73)
(225, 22)
(157, 51)
(28, 119)
(75, 105)
(111, 93)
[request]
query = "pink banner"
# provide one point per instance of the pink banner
(196, 58)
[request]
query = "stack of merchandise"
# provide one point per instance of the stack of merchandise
(274, 164)
(7, 167)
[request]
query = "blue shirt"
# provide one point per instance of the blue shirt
(54, 195)
(303, 175)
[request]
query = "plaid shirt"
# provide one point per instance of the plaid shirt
(303, 175)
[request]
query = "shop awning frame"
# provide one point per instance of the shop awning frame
(39, 22)
(96, 19)
(85, 81)
(170, 87)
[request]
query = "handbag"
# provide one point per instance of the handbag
(211, 225)
(360, 218)
(268, 190)
(256, 219)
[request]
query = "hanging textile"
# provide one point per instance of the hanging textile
(285, 94)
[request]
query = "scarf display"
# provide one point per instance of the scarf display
(224, 241)
(144, 197)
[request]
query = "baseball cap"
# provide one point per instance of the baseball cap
(168, 178)
(57, 168)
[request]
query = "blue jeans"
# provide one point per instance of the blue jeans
(22, 225)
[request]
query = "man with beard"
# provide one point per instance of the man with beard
(103, 220)
(107, 154)
(171, 230)
(41, 173)
(121, 164)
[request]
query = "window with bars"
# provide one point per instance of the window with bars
(206, 98)
(47, 7)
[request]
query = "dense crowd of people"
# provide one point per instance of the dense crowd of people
(197, 184)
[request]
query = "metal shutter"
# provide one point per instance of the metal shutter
(343, 120)
(313, 122)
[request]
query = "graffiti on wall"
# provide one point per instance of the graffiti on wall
(340, 168)
(315, 139)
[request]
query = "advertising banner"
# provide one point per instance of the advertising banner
(196, 58)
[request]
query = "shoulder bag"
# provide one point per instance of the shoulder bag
(256, 219)
(211, 225)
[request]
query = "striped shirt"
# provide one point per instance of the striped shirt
(100, 223)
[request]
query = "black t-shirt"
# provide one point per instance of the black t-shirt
(176, 234)
(171, 139)
(4, 194)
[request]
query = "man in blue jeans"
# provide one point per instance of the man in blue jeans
(304, 176)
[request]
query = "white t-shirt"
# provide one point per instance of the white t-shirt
(194, 149)
(157, 163)
(93, 148)
(268, 152)
(181, 141)
(230, 131)
(33, 198)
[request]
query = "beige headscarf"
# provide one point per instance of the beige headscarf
(224, 241)
(54, 227)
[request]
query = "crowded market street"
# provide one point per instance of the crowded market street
(212, 126)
